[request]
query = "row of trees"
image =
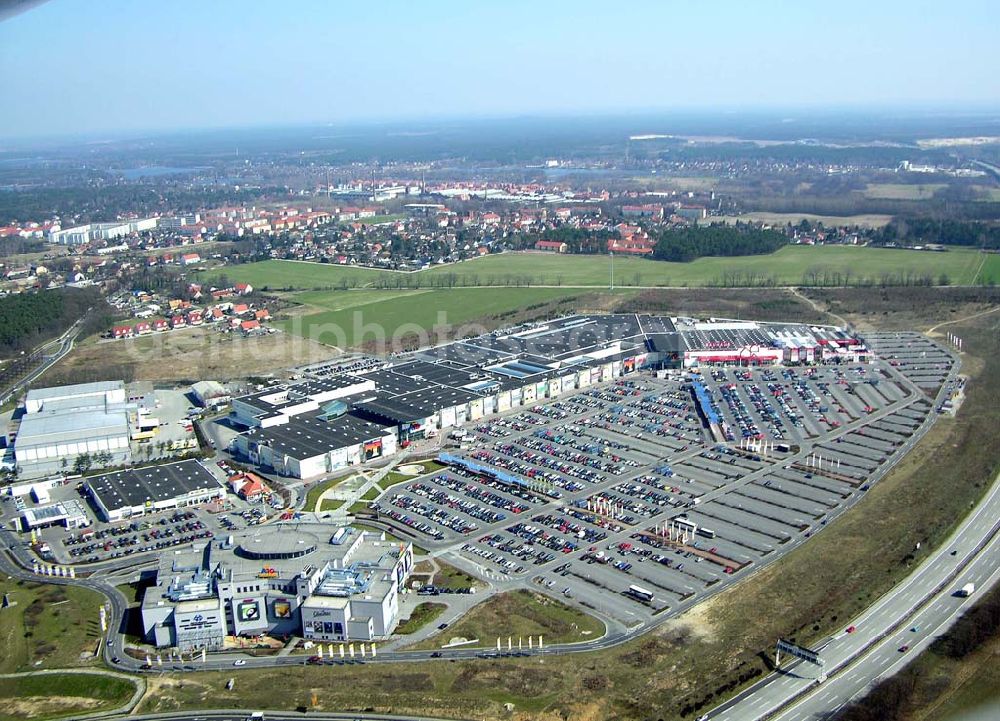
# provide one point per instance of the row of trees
(85, 461)
(818, 277)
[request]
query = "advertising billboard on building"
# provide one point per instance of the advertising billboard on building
(248, 610)
(373, 449)
(282, 608)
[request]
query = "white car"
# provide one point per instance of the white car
(240, 662)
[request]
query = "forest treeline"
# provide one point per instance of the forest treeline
(673, 244)
(681, 245)
(27, 319)
(942, 232)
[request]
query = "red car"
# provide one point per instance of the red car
(904, 648)
(852, 629)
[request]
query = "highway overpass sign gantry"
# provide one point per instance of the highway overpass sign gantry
(802, 652)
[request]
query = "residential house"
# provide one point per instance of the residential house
(551, 246)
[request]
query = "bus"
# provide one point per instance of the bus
(639, 594)
(706, 532)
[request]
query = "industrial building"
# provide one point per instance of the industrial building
(210, 394)
(137, 491)
(320, 583)
(63, 423)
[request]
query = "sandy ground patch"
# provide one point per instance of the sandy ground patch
(35, 706)
(411, 469)
(695, 622)
(195, 353)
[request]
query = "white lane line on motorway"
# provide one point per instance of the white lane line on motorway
(879, 658)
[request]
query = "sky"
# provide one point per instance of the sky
(104, 66)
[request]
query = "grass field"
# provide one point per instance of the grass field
(990, 272)
(272, 275)
(393, 478)
(394, 319)
(420, 617)
(520, 614)
(411, 317)
(446, 575)
(787, 267)
(54, 695)
(318, 489)
(450, 577)
(326, 300)
(49, 627)
(903, 191)
(380, 319)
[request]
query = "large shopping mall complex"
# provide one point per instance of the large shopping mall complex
(346, 413)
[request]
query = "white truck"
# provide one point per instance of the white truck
(966, 590)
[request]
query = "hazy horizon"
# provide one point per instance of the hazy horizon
(74, 68)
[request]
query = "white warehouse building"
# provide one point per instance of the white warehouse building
(63, 423)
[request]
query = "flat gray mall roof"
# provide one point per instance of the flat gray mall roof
(135, 486)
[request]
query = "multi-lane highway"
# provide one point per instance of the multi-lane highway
(911, 615)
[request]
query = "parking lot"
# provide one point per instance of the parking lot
(620, 499)
(146, 534)
(139, 536)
